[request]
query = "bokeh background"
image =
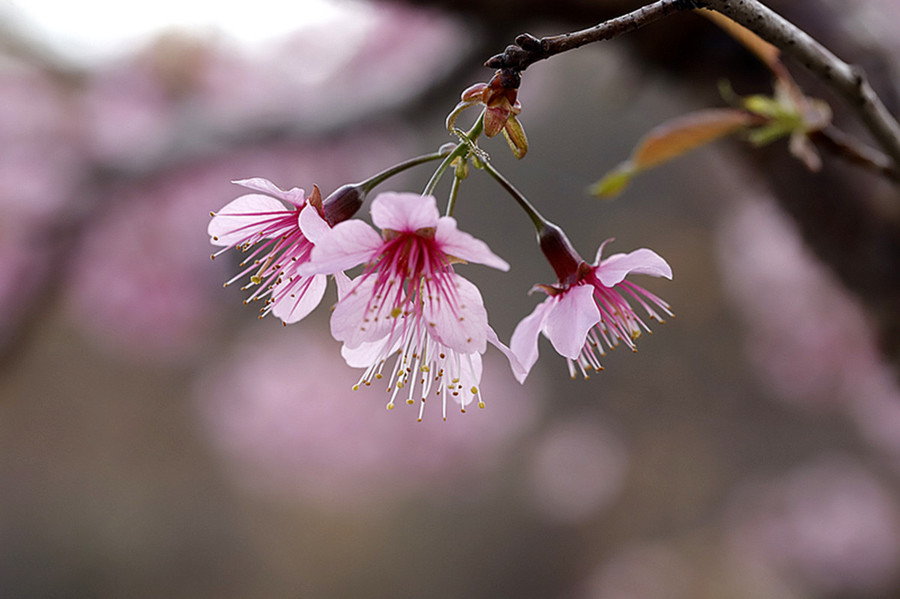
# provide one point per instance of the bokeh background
(158, 440)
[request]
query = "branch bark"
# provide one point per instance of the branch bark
(847, 80)
(529, 49)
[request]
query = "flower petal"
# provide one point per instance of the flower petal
(614, 269)
(459, 322)
(243, 217)
(568, 324)
(599, 257)
(469, 375)
(309, 294)
(365, 354)
(407, 212)
(514, 363)
(357, 319)
(313, 226)
(294, 195)
(347, 244)
(524, 341)
(344, 284)
(459, 244)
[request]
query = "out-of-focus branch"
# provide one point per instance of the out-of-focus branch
(855, 152)
(847, 80)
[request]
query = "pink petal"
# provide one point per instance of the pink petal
(313, 226)
(404, 211)
(568, 324)
(344, 284)
(292, 309)
(344, 246)
(524, 341)
(230, 225)
(515, 365)
(294, 195)
(461, 245)
(354, 322)
(598, 257)
(614, 269)
(461, 325)
(470, 369)
(366, 354)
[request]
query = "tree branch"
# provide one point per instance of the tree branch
(529, 49)
(849, 81)
(855, 152)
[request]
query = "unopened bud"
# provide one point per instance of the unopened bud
(343, 203)
(559, 252)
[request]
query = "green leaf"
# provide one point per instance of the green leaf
(614, 182)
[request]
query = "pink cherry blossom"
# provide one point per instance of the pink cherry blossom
(409, 304)
(589, 308)
(260, 224)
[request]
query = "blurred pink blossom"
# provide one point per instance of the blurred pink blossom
(142, 283)
(127, 116)
(645, 571)
(323, 75)
(829, 525)
(281, 410)
(40, 151)
(806, 333)
(577, 468)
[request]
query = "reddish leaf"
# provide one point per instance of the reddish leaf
(682, 134)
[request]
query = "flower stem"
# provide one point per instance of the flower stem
(381, 177)
(460, 152)
(540, 223)
(454, 190)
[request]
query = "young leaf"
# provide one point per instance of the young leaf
(672, 139)
(614, 181)
(683, 134)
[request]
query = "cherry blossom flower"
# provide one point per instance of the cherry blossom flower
(260, 224)
(589, 306)
(409, 304)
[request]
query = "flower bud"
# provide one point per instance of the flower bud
(343, 203)
(559, 252)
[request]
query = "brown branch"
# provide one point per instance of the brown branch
(849, 81)
(529, 49)
(855, 152)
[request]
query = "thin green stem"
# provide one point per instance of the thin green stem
(381, 177)
(460, 152)
(454, 190)
(539, 221)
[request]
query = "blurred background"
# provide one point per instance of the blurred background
(158, 440)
